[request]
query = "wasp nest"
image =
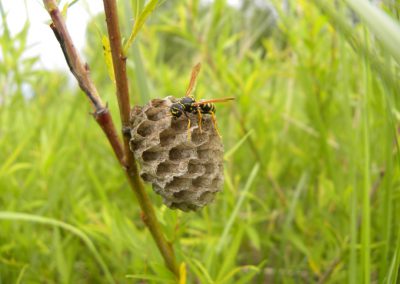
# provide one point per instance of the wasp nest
(184, 166)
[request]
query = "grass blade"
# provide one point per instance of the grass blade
(15, 216)
(366, 220)
(384, 27)
(231, 255)
(148, 277)
(342, 25)
(229, 224)
(395, 265)
(199, 270)
(231, 151)
(21, 274)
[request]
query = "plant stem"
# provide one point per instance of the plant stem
(119, 62)
(103, 117)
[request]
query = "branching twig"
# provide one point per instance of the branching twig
(81, 72)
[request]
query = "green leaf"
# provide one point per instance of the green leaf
(246, 269)
(231, 255)
(231, 151)
(224, 237)
(15, 216)
(149, 277)
(108, 57)
(72, 3)
(386, 29)
(395, 265)
(253, 236)
(139, 22)
(199, 270)
(345, 28)
(21, 274)
(64, 11)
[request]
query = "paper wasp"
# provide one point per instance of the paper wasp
(188, 104)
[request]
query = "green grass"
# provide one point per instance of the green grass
(312, 133)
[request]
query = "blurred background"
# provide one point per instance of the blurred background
(312, 183)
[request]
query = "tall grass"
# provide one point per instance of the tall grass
(312, 166)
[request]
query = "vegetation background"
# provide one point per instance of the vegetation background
(312, 170)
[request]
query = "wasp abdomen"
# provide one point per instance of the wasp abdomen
(207, 108)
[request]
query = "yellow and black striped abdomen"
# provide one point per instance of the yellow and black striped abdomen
(207, 108)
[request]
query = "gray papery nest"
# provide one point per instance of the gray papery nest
(184, 166)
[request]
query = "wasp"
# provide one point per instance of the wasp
(188, 104)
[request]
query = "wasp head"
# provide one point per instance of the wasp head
(176, 109)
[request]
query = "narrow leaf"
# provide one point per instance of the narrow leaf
(231, 151)
(384, 27)
(139, 22)
(107, 57)
(15, 216)
(182, 273)
(235, 212)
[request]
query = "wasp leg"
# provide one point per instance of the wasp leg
(188, 127)
(214, 120)
(188, 131)
(200, 118)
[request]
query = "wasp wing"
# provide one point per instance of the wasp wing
(193, 77)
(214, 101)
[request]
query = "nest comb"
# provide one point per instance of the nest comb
(184, 166)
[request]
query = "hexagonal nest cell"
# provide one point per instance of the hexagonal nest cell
(185, 166)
